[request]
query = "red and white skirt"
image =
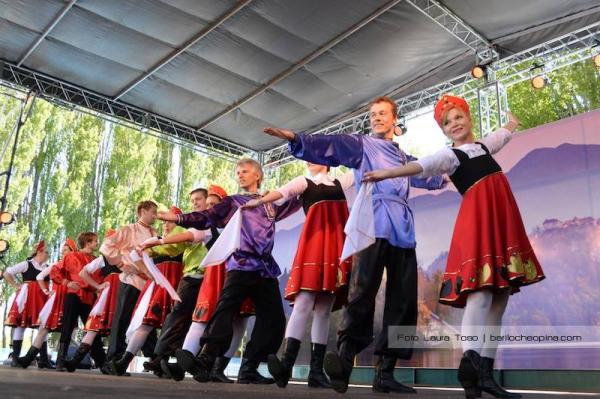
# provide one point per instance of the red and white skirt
(33, 304)
(50, 316)
(208, 296)
(317, 266)
(160, 304)
(103, 311)
(490, 248)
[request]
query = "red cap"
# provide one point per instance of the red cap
(109, 233)
(175, 210)
(219, 191)
(69, 242)
(445, 104)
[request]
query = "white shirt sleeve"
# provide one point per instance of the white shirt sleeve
(44, 273)
(94, 265)
(20, 267)
(442, 162)
(346, 180)
(202, 236)
(496, 140)
(292, 189)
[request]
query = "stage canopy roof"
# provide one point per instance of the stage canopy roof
(228, 68)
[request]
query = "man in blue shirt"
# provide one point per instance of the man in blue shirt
(393, 249)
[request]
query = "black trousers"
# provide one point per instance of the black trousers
(269, 326)
(400, 308)
(178, 321)
(75, 309)
(127, 298)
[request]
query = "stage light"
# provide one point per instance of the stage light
(539, 82)
(6, 218)
(596, 60)
(479, 71)
(3, 246)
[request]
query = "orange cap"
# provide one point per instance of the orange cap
(445, 104)
(219, 191)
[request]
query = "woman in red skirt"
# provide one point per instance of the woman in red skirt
(104, 278)
(154, 302)
(490, 255)
(318, 278)
(29, 299)
(50, 316)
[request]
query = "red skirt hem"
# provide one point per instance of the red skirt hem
(490, 248)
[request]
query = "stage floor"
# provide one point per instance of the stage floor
(34, 383)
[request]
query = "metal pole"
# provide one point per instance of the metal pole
(20, 122)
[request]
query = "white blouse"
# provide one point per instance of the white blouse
(298, 185)
(21, 267)
(94, 265)
(445, 161)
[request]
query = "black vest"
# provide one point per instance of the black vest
(213, 239)
(471, 170)
(321, 192)
(31, 273)
(108, 268)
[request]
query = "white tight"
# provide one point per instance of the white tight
(306, 302)
(192, 338)
(18, 333)
(483, 315)
(139, 337)
(40, 338)
(89, 337)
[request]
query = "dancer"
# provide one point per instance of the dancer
(251, 272)
(104, 278)
(159, 305)
(115, 250)
(208, 295)
(80, 296)
(29, 300)
(179, 319)
(490, 255)
(394, 246)
(51, 315)
(318, 277)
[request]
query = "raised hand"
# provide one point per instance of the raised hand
(253, 203)
(167, 217)
(513, 123)
(376, 175)
(285, 134)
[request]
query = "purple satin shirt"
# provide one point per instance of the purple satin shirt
(257, 235)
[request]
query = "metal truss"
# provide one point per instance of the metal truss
(458, 28)
(551, 55)
(72, 97)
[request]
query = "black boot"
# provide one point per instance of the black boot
(45, 362)
(281, 370)
(119, 367)
(26, 360)
(154, 366)
(16, 352)
(384, 377)
(468, 374)
(338, 366)
(249, 374)
(172, 370)
(71, 364)
(487, 382)
(198, 366)
(218, 372)
(316, 376)
(63, 350)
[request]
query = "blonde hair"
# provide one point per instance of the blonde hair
(255, 164)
